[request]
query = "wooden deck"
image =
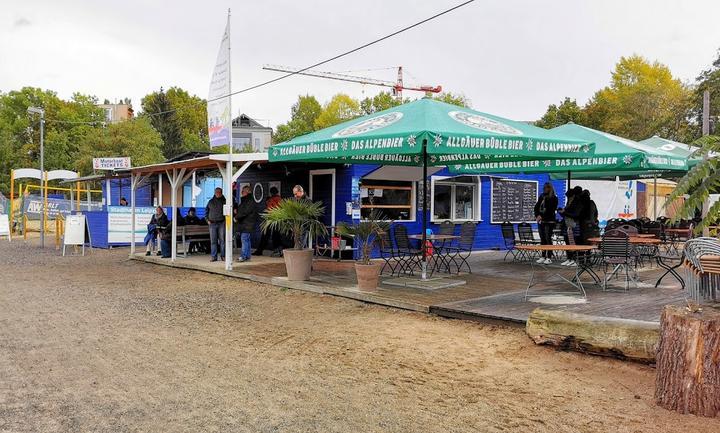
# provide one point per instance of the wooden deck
(495, 291)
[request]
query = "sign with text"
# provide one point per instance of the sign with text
(4, 226)
(111, 163)
(218, 105)
(120, 224)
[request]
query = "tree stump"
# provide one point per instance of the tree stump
(688, 361)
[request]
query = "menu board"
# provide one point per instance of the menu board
(513, 200)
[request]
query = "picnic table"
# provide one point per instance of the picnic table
(582, 265)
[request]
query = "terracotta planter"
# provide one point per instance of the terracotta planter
(368, 275)
(298, 264)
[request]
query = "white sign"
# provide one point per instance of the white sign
(120, 224)
(613, 198)
(111, 163)
(4, 226)
(218, 106)
(76, 232)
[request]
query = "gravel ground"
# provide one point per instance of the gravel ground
(100, 343)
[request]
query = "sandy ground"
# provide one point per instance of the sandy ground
(101, 343)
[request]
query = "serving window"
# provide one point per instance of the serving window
(394, 200)
(455, 199)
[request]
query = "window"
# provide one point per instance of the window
(257, 144)
(455, 199)
(393, 199)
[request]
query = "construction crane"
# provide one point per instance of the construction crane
(397, 86)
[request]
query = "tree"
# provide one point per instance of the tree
(642, 100)
(340, 108)
(66, 122)
(567, 111)
(191, 113)
(454, 99)
(708, 79)
(381, 101)
(302, 119)
(136, 139)
(158, 109)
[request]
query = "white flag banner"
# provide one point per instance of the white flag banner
(219, 110)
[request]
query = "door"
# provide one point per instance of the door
(322, 188)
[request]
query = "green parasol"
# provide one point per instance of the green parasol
(428, 132)
(452, 135)
(613, 156)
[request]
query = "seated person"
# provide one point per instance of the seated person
(192, 219)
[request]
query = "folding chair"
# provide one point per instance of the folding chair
(409, 257)
(508, 235)
(615, 251)
(465, 245)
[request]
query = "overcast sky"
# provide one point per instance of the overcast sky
(509, 57)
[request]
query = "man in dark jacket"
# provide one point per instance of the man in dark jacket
(216, 220)
(246, 218)
(545, 209)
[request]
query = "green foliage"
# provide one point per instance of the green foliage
(340, 108)
(159, 110)
(451, 98)
(556, 115)
(295, 218)
(366, 233)
(182, 123)
(708, 79)
(642, 100)
(20, 132)
(136, 139)
(302, 119)
(381, 101)
(701, 181)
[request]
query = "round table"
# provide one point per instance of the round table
(440, 252)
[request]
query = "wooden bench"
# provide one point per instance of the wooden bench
(197, 232)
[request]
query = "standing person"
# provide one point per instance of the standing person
(246, 218)
(270, 203)
(157, 225)
(299, 193)
(571, 217)
(588, 217)
(216, 220)
(545, 210)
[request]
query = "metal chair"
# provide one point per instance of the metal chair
(387, 253)
(409, 257)
(527, 237)
(508, 235)
(615, 251)
(464, 248)
(446, 228)
(702, 275)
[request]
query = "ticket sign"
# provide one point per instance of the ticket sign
(111, 163)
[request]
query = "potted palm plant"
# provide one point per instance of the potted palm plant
(299, 219)
(366, 234)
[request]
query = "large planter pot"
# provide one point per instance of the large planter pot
(298, 264)
(368, 275)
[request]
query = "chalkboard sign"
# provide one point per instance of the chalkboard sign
(513, 200)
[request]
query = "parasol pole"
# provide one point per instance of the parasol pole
(424, 213)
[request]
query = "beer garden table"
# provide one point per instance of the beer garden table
(582, 266)
(440, 252)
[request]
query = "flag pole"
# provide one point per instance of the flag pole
(229, 166)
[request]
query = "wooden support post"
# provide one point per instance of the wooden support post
(688, 361)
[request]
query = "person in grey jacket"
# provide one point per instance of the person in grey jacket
(216, 221)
